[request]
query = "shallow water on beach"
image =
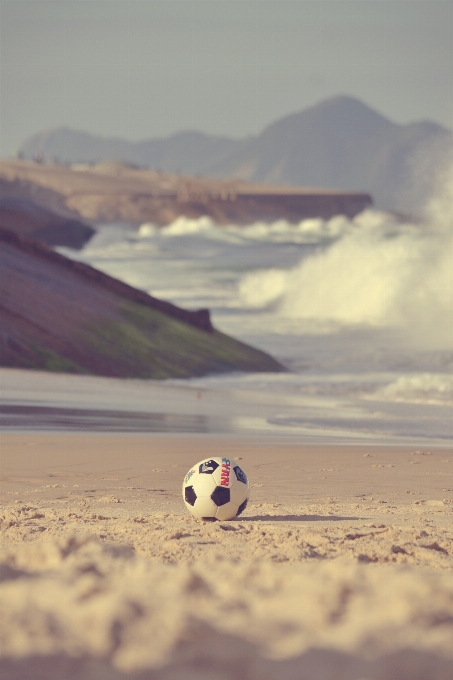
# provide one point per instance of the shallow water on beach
(358, 311)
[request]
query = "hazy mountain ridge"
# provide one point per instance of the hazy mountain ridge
(339, 143)
(188, 151)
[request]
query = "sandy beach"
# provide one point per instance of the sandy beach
(226, 289)
(341, 566)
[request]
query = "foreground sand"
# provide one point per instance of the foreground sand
(341, 567)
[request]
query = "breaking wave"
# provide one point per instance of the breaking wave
(313, 230)
(378, 273)
(424, 388)
(317, 276)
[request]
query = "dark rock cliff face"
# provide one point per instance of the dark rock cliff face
(25, 218)
(61, 315)
(266, 207)
(199, 318)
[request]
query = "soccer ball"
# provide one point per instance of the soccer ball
(214, 489)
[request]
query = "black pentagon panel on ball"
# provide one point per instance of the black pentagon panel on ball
(220, 495)
(240, 474)
(208, 467)
(190, 495)
(242, 507)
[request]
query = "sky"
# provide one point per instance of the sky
(137, 69)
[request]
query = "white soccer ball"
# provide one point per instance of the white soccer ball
(215, 489)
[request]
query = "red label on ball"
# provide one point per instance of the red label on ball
(225, 476)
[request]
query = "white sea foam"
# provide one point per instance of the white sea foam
(354, 281)
(147, 229)
(184, 226)
(312, 230)
(424, 388)
(377, 274)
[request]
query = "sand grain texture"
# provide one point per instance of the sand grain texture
(341, 566)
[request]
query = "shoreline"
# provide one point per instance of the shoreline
(265, 406)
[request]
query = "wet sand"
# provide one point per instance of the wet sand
(341, 566)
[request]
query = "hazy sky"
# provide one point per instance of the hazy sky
(148, 68)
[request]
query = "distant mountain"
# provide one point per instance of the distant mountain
(344, 144)
(188, 152)
(340, 143)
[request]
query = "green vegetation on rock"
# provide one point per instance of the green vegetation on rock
(58, 315)
(52, 361)
(148, 344)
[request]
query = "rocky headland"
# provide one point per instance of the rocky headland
(26, 218)
(118, 192)
(64, 316)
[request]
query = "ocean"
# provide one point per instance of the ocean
(358, 311)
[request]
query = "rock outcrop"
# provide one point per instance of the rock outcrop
(26, 218)
(61, 315)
